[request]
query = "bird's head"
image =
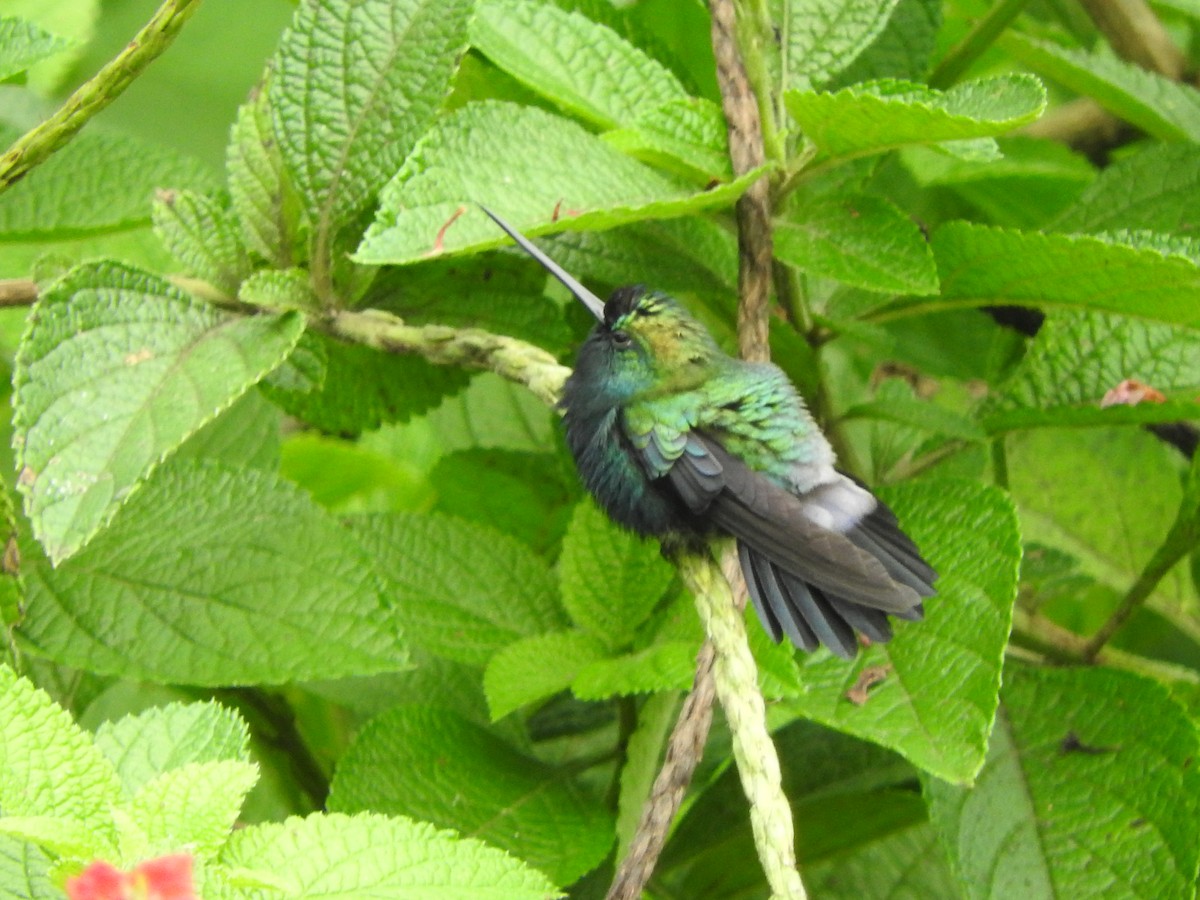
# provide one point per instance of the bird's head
(643, 342)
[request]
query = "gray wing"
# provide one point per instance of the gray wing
(815, 583)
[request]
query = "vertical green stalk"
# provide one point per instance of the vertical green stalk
(1181, 540)
(999, 462)
(757, 42)
(736, 679)
(963, 54)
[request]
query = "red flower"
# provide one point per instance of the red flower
(165, 878)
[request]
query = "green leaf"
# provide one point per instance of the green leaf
(642, 755)
(1035, 180)
(1157, 189)
(420, 762)
(611, 579)
(74, 20)
(22, 44)
(844, 792)
(529, 496)
(24, 872)
(535, 668)
(1121, 468)
(494, 412)
(360, 388)
(1163, 108)
(279, 289)
(193, 807)
(936, 702)
(59, 835)
(982, 265)
(203, 235)
(920, 414)
(266, 206)
(823, 37)
(459, 590)
(246, 434)
(1077, 357)
(12, 583)
(884, 115)
(686, 136)
(902, 50)
(50, 766)
(666, 666)
(540, 171)
(353, 86)
(1088, 790)
(345, 477)
(861, 240)
(675, 255)
(117, 369)
(337, 856)
(164, 738)
(215, 576)
(582, 66)
(909, 862)
(97, 183)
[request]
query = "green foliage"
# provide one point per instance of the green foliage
(480, 153)
(211, 595)
(1130, 801)
(99, 183)
(517, 803)
(938, 699)
(158, 365)
(345, 121)
(23, 43)
(175, 777)
(822, 37)
(861, 241)
(252, 470)
(882, 115)
(1147, 100)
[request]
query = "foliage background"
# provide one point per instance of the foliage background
(383, 572)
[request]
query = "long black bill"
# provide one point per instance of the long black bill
(594, 304)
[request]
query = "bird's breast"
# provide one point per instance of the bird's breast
(611, 471)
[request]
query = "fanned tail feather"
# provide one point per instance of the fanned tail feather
(821, 565)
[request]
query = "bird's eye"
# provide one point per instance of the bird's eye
(621, 338)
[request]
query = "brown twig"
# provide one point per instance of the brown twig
(18, 292)
(685, 746)
(754, 208)
(1136, 34)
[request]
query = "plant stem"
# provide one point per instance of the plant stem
(35, 146)
(1137, 35)
(18, 292)
(276, 725)
(685, 747)
(470, 347)
(999, 462)
(963, 54)
(1036, 633)
(755, 249)
(736, 678)
(1179, 543)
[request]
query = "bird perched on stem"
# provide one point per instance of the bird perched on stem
(678, 440)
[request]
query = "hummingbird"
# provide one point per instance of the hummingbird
(677, 440)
